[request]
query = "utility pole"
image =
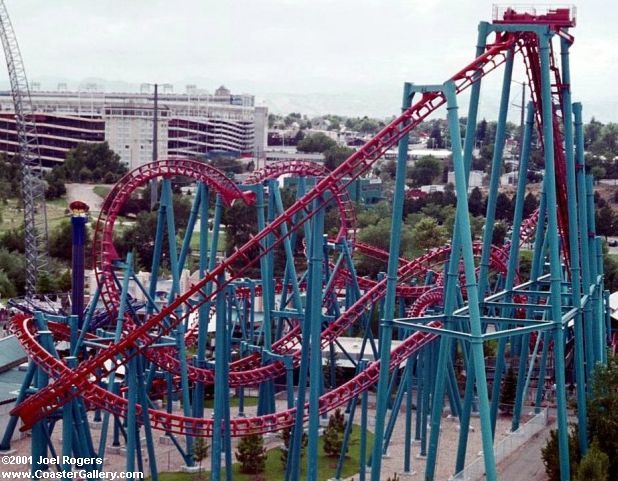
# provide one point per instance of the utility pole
(522, 108)
(155, 146)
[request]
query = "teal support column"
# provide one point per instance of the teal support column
(600, 321)
(184, 383)
(386, 328)
(469, 141)
(514, 259)
(156, 256)
(221, 383)
(471, 286)
(144, 401)
(542, 370)
(426, 398)
(132, 424)
(193, 213)
(290, 270)
(111, 378)
(314, 312)
(362, 457)
(592, 253)
(407, 450)
(203, 312)
(574, 248)
(68, 432)
(582, 200)
(496, 171)
(554, 253)
(5, 445)
(266, 403)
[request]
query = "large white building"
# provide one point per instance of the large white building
(194, 123)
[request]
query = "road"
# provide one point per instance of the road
(85, 193)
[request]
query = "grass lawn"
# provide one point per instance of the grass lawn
(249, 401)
(195, 240)
(13, 216)
(102, 190)
(275, 470)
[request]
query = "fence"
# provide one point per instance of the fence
(514, 440)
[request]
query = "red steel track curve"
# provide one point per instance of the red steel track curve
(306, 168)
(70, 383)
(104, 252)
(203, 427)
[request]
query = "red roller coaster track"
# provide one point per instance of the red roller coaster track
(71, 383)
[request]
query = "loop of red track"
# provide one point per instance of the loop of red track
(72, 383)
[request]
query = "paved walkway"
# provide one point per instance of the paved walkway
(526, 464)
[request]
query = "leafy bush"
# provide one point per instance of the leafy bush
(333, 434)
(603, 411)
(594, 465)
(251, 454)
(551, 457)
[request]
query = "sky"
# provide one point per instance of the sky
(322, 56)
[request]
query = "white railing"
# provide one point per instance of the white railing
(504, 448)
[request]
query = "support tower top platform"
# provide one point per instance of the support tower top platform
(563, 16)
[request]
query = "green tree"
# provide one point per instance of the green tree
(427, 234)
(425, 170)
(498, 234)
(390, 167)
(63, 283)
(7, 289)
(60, 241)
(606, 144)
(603, 411)
(200, 452)
(229, 165)
(476, 206)
(530, 204)
(592, 132)
(504, 207)
(435, 137)
(333, 434)
(550, 456)
(598, 172)
(606, 221)
(378, 235)
(13, 265)
(55, 187)
(335, 156)
(594, 466)
(486, 153)
(369, 126)
(481, 131)
(45, 283)
(508, 391)
(91, 161)
(318, 143)
(251, 454)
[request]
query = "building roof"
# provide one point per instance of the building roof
(10, 383)
(11, 353)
